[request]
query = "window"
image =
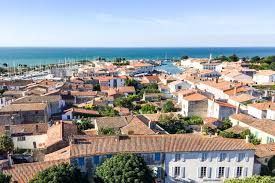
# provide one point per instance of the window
(239, 171)
(241, 157)
(23, 138)
(68, 117)
(221, 172)
(177, 171)
(177, 157)
(81, 161)
(157, 156)
(96, 160)
(204, 157)
(222, 156)
(203, 172)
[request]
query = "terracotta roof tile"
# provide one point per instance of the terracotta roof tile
(195, 97)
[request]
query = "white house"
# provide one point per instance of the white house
(194, 104)
(178, 85)
(219, 109)
(270, 114)
(264, 77)
(259, 110)
(173, 158)
(263, 129)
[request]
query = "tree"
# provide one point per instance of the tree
(233, 58)
(253, 179)
(168, 106)
(83, 124)
(184, 57)
(96, 87)
(63, 173)
(126, 101)
(173, 125)
(148, 109)
(6, 144)
(226, 124)
(4, 178)
(255, 59)
(127, 168)
(5, 64)
(107, 131)
(131, 82)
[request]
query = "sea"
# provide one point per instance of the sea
(35, 56)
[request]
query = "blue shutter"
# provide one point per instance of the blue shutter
(96, 160)
(157, 156)
(81, 161)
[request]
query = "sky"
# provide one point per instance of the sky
(137, 23)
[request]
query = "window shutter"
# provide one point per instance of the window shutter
(245, 171)
(246, 157)
(173, 157)
(237, 157)
(227, 172)
(217, 172)
(209, 171)
(183, 157)
(182, 172)
(201, 154)
(199, 172)
(219, 157)
(235, 172)
(171, 173)
(209, 157)
(228, 157)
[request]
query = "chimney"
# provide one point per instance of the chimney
(36, 128)
(273, 98)
(235, 90)
(217, 80)
(238, 109)
(247, 139)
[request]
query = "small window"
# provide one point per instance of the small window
(68, 117)
(96, 160)
(177, 157)
(221, 172)
(241, 157)
(222, 156)
(204, 157)
(22, 138)
(203, 172)
(157, 156)
(177, 171)
(239, 171)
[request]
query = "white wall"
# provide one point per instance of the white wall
(256, 112)
(40, 141)
(191, 162)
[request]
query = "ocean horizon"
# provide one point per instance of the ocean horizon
(46, 55)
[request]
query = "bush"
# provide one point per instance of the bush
(83, 124)
(107, 131)
(6, 144)
(168, 106)
(253, 179)
(63, 173)
(173, 126)
(4, 178)
(148, 109)
(127, 168)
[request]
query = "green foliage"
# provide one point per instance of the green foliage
(4, 178)
(2, 70)
(253, 139)
(226, 123)
(184, 57)
(265, 63)
(131, 82)
(148, 109)
(107, 131)
(228, 134)
(255, 59)
(192, 120)
(253, 179)
(106, 111)
(168, 106)
(150, 88)
(96, 87)
(173, 125)
(126, 168)
(126, 101)
(207, 130)
(83, 124)
(234, 58)
(6, 144)
(63, 173)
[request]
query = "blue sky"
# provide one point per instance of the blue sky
(137, 23)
